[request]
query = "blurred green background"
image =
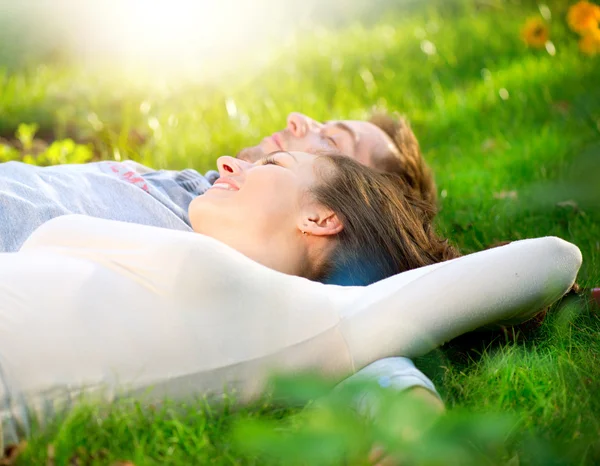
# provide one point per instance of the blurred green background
(511, 132)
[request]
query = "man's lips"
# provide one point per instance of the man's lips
(277, 140)
(225, 183)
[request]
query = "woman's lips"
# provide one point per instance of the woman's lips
(225, 183)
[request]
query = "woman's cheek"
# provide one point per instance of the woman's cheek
(280, 202)
(275, 192)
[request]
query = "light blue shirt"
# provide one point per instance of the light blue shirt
(127, 191)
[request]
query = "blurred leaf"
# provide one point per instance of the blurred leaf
(267, 440)
(67, 151)
(300, 388)
(25, 134)
(8, 153)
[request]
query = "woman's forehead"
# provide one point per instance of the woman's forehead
(299, 156)
(310, 164)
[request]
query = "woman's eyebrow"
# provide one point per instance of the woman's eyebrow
(272, 154)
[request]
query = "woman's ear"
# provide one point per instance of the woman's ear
(320, 221)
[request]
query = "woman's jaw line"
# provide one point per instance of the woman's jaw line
(291, 252)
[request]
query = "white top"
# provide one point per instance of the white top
(91, 305)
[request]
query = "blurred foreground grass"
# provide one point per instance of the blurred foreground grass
(513, 137)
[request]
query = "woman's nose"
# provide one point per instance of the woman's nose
(298, 124)
(228, 165)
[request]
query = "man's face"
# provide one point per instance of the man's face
(361, 140)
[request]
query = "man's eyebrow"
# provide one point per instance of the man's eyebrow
(343, 126)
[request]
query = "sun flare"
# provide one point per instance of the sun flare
(181, 35)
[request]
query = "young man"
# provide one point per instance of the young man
(383, 142)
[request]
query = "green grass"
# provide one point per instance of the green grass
(542, 143)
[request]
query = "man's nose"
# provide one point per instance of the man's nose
(299, 124)
(228, 165)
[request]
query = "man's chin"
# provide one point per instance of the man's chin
(250, 154)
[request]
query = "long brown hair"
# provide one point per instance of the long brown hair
(387, 229)
(409, 163)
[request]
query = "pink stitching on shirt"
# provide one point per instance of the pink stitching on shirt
(126, 174)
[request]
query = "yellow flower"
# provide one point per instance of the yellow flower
(583, 16)
(535, 33)
(590, 42)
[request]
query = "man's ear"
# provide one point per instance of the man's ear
(320, 221)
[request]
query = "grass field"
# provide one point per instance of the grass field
(513, 136)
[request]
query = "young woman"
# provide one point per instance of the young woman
(98, 306)
(92, 305)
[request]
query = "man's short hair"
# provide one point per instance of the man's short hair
(409, 164)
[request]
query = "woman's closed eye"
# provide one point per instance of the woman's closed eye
(271, 161)
(279, 158)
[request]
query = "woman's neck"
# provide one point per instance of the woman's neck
(299, 255)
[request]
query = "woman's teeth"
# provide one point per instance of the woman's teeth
(223, 186)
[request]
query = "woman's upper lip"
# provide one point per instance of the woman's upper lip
(227, 181)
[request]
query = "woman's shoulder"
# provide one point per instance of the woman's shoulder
(169, 258)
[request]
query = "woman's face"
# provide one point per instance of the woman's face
(257, 202)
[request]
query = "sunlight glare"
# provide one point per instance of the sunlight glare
(202, 37)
